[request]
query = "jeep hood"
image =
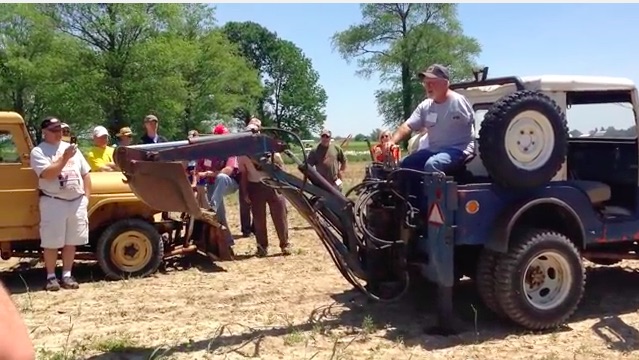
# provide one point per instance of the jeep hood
(109, 183)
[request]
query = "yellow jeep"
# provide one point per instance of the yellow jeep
(127, 237)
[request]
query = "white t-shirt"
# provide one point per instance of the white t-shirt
(450, 124)
(423, 142)
(69, 185)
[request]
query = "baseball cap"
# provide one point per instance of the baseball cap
(435, 71)
(100, 131)
(326, 132)
(125, 131)
(50, 123)
(64, 125)
(150, 118)
(220, 129)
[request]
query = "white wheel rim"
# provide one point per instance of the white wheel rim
(547, 280)
(530, 140)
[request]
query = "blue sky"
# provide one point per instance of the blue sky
(516, 39)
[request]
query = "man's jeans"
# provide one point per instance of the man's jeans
(425, 160)
(246, 224)
(223, 185)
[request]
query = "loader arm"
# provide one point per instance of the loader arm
(157, 175)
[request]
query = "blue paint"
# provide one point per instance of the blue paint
(477, 229)
(440, 240)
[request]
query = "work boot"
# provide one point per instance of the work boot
(52, 285)
(261, 251)
(68, 282)
(286, 250)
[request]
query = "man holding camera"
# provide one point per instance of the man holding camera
(64, 185)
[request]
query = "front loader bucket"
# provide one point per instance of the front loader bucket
(163, 186)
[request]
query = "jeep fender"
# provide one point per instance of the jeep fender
(508, 218)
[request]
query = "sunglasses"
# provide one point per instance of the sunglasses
(385, 136)
(325, 136)
(54, 130)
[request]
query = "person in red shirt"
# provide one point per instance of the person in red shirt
(380, 153)
(222, 178)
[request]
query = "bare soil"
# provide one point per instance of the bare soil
(297, 307)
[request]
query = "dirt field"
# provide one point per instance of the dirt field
(298, 307)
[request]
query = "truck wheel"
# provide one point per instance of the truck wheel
(129, 248)
(523, 140)
(485, 280)
(540, 281)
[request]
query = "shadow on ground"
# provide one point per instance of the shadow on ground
(607, 296)
(29, 276)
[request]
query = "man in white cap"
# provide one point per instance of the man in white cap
(100, 156)
(66, 132)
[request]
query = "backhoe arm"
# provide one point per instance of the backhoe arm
(219, 146)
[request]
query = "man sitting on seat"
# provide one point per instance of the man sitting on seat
(448, 118)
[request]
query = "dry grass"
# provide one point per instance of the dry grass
(298, 307)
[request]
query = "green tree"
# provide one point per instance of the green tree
(33, 60)
(375, 134)
(360, 137)
(117, 37)
(398, 40)
(292, 99)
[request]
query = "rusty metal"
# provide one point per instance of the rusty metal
(612, 256)
(181, 251)
(5, 250)
(38, 255)
(156, 174)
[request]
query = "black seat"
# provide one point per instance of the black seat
(460, 173)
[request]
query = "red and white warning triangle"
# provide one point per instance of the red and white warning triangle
(435, 215)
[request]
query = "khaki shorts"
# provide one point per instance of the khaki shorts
(63, 222)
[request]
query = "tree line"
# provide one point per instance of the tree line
(115, 63)
(112, 64)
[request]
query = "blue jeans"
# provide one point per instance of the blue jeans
(425, 160)
(223, 185)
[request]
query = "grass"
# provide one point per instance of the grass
(298, 308)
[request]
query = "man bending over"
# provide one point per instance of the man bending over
(448, 119)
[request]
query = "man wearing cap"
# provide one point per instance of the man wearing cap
(257, 196)
(222, 177)
(448, 119)
(66, 132)
(125, 137)
(151, 135)
(64, 186)
(100, 156)
(246, 224)
(328, 159)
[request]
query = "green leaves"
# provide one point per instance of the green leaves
(113, 64)
(292, 98)
(396, 41)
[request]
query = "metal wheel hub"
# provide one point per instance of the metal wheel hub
(547, 280)
(530, 140)
(131, 251)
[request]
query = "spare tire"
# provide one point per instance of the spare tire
(523, 140)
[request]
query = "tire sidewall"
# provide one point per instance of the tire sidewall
(550, 243)
(492, 139)
(103, 248)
